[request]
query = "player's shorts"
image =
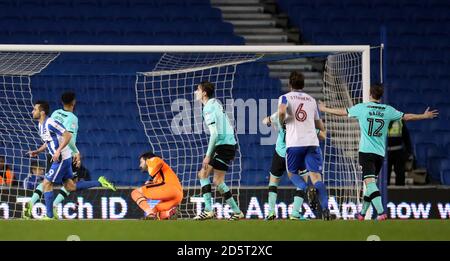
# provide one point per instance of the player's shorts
(278, 165)
(371, 164)
(49, 164)
(60, 171)
(223, 156)
(169, 196)
(304, 158)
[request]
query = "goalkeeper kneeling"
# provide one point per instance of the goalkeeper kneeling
(163, 185)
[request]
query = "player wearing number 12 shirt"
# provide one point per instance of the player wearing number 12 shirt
(374, 119)
(298, 111)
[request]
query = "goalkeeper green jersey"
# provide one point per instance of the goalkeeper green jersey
(70, 122)
(217, 120)
(374, 119)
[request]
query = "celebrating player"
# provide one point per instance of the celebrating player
(299, 112)
(278, 167)
(55, 138)
(374, 119)
(163, 185)
(220, 153)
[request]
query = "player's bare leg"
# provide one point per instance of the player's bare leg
(205, 183)
(316, 180)
(219, 182)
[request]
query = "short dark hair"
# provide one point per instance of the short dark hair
(68, 97)
(297, 80)
(376, 91)
(147, 155)
(208, 87)
(43, 106)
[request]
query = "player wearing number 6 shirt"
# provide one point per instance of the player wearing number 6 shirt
(374, 119)
(278, 168)
(299, 112)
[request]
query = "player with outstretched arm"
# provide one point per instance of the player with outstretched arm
(374, 118)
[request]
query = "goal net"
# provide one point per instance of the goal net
(343, 88)
(125, 111)
(18, 131)
(173, 120)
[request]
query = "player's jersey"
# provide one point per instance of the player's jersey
(280, 146)
(51, 133)
(214, 115)
(374, 119)
(69, 121)
(301, 114)
(161, 173)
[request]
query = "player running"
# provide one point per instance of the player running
(374, 118)
(55, 138)
(163, 185)
(299, 112)
(278, 168)
(221, 152)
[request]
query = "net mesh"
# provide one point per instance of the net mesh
(342, 89)
(172, 119)
(18, 131)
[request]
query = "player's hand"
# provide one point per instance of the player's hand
(55, 157)
(33, 153)
(322, 106)
(206, 162)
(267, 121)
(77, 160)
(431, 114)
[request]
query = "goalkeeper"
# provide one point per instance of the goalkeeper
(162, 185)
(374, 118)
(278, 168)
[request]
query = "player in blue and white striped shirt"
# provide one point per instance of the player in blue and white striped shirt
(55, 138)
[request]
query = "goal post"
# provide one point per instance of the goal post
(169, 84)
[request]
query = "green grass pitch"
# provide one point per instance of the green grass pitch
(254, 230)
